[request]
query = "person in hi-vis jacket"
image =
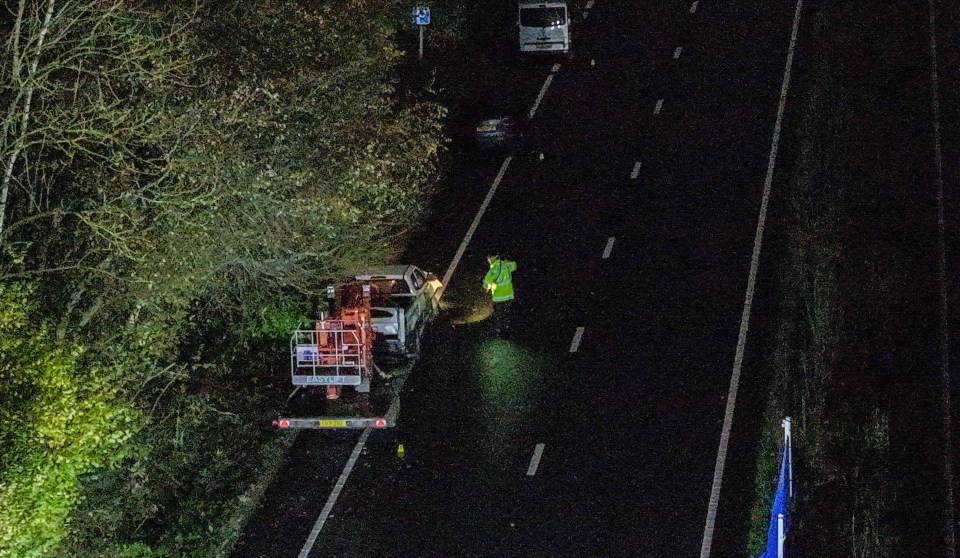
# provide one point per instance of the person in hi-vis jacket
(499, 281)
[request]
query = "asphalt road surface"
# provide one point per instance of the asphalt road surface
(627, 414)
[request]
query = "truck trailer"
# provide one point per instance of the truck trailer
(349, 366)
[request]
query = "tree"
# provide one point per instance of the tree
(57, 423)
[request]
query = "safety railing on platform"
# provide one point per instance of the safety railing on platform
(333, 353)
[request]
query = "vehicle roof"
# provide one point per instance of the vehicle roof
(384, 271)
(535, 4)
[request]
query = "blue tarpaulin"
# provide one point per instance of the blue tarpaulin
(779, 506)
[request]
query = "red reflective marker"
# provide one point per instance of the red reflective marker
(380, 423)
(283, 423)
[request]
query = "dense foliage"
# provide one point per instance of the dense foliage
(179, 179)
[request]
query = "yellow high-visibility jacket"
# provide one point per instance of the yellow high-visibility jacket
(499, 280)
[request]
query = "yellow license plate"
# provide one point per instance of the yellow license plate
(333, 424)
(487, 128)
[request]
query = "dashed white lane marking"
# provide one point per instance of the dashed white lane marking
(473, 226)
(543, 91)
(589, 4)
(748, 301)
(693, 7)
(535, 460)
(328, 507)
(676, 53)
(577, 336)
(636, 171)
(656, 109)
(555, 68)
(609, 249)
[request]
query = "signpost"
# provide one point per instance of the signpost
(421, 18)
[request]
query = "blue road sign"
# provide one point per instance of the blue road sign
(421, 15)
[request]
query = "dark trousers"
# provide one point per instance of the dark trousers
(502, 314)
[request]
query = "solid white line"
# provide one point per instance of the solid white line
(693, 7)
(676, 53)
(555, 68)
(325, 513)
(575, 344)
(535, 460)
(392, 413)
(543, 91)
(609, 248)
(945, 404)
(635, 172)
(393, 410)
(748, 301)
(473, 226)
(656, 109)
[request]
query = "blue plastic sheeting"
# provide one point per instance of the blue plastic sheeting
(779, 506)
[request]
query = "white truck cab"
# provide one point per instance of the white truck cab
(404, 298)
(544, 26)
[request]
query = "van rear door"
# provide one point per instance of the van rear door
(544, 26)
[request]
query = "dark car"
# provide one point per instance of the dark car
(501, 133)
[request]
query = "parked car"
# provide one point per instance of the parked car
(500, 133)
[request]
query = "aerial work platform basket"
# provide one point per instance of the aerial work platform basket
(336, 352)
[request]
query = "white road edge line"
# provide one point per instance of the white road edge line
(636, 171)
(473, 226)
(676, 53)
(748, 300)
(394, 404)
(693, 7)
(945, 404)
(577, 336)
(609, 248)
(656, 109)
(543, 91)
(392, 413)
(535, 460)
(328, 507)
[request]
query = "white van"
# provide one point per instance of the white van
(544, 26)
